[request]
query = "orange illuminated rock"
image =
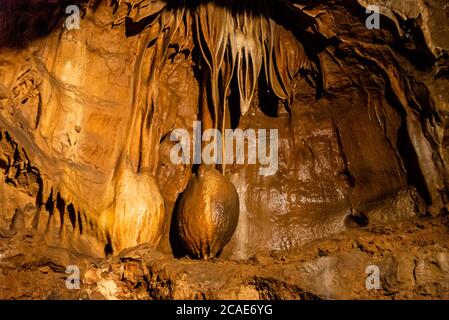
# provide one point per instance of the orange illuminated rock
(208, 213)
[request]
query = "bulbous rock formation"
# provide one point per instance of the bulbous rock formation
(208, 213)
(138, 213)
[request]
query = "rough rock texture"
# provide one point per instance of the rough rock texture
(413, 258)
(85, 170)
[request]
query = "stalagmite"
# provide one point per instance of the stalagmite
(208, 213)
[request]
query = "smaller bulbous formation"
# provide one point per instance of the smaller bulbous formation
(138, 212)
(208, 213)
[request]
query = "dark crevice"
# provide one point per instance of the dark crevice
(234, 103)
(50, 205)
(177, 247)
(72, 214)
(108, 251)
(80, 224)
(268, 101)
(356, 221)
(60, 205)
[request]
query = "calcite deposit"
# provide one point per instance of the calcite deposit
(87, 115)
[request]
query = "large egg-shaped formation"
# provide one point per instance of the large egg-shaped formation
(138, 213)
(208, 213)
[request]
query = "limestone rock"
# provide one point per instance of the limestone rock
(362, 117)
(208, 213)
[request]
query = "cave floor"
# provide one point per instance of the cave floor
(412, 257)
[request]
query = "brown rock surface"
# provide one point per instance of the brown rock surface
(412, 255)
(362, 118)
(208, 213)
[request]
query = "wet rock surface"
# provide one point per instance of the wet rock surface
(362, 177)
